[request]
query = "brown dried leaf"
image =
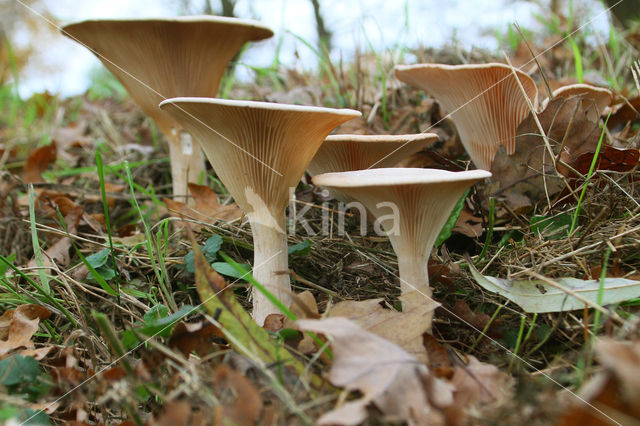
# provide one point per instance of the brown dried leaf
(479, 383)
(206, 201)
(468, 224)
(527, 176)
(38, 162)
(194, 337)
(206, 209)
(404, 329)
(439, 360)
(609, 158)
(175, 413)
(17, 327)
(245, 407)
(624, 112)
(274, 322)
(462, 312)
(58, 253)
(400, 386)
(612, 396)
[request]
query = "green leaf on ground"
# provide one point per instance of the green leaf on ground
(157, 322)
(301, 249)
(553, 227)
(225, 269)
(447, 229)
(538, 296)
(210, 251)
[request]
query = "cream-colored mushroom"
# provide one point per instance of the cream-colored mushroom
(484, 101)
(598, 98)
(342, 153)
(259, 151)
(412, 206)
(156, 59)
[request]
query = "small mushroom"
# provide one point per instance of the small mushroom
(259, 151)
(412, 205)
(156, 59)
(598, 97)
(342, 153)
(484, 101)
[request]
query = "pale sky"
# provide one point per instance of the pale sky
(62, 66)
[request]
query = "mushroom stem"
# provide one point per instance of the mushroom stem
(187, 164)
(270, 260)
(413, 274)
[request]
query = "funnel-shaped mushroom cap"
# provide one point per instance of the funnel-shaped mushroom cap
(412, 205)
(156, 59)
(485, 102)
(341, 153)
(260, 151)
(257, 148)
(598, 97)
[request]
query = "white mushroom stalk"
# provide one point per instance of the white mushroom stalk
(342, 153)
(259, 151)
(156, 59)
(412, 205)
(485, 102)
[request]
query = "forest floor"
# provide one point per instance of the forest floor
(103, 322)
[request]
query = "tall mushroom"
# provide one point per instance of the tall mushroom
(412, 205)
(156, 59)
(259, 151)
(484, 101)
(342, 153)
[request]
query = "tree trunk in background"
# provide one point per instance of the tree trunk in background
(228, 7)
(324, 35)
(626, 12)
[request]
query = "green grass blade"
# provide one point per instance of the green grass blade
(105, 208)
(37, 250)
(594, 161)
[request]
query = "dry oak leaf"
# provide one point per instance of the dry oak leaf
(386, 375)
(57, 255)
(177, 413)
(17, 327)
(611, 396)
(246, 406)
(38, 161)
(404, 329)
(528, 175)
(206, 206)
(478, 382)
(194, 337)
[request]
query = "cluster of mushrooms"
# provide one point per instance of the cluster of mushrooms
(172, 68)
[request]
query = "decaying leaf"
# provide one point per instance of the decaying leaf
(539, 296)
(396, 382)
(194, 337)
(609, 158)
(243, 405)
(38, 162)
(404, 328)
(178, 413)
(528, 175)
(58, 253)
(462, 312)
(613, 395)
(206, 209)
(479, 382)
(207, 203)
(468, 224)
(17, 327)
